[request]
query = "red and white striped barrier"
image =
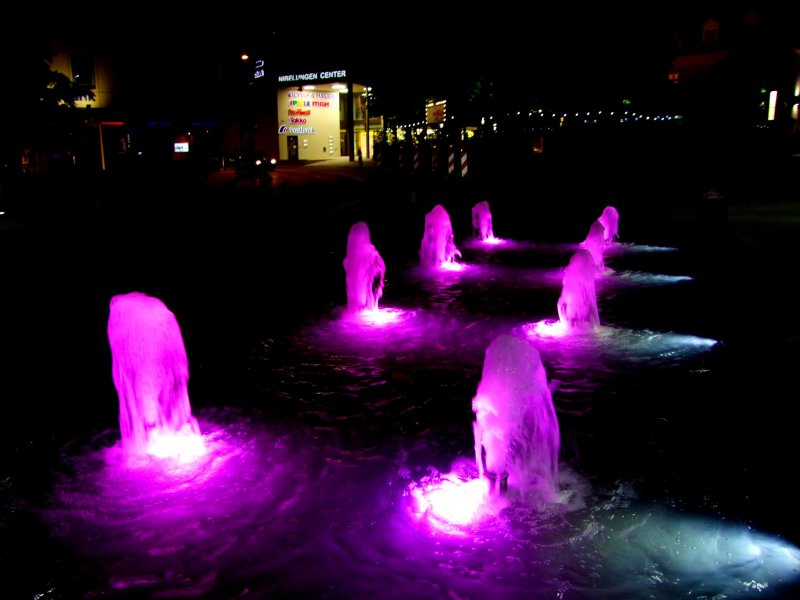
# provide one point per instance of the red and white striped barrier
(464, 163)
(451, 161)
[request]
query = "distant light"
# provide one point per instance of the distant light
(308, 87)
(773, 101)
(245, 56)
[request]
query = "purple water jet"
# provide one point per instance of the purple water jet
(610, 221)
(595, 244)
(482, 221)
(516, 431)
(151, 374)
(364, 270)
(577, 305)
(438, 246)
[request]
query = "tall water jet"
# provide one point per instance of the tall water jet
(438, 246)
(151, 374)
(577, 305)
(516, 432)
(364, 269)
(482, 221)
(595, 244)
(610, 220)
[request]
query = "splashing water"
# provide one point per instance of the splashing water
(438, 247)
(364, 269)
(515, 429)
(577, 305)
(595, 244)
(610, 220)
(151, 374)
(482, 221)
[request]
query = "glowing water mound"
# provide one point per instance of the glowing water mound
(610, 221)
(577, 305)
(438, 247)
(151, 374)
(365, 271)
(482, 221)
(516, 432)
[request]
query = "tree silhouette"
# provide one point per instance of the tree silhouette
(37, 109)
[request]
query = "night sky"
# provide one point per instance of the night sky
(596, 53)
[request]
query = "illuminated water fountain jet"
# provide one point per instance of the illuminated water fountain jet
(482, 222)
(365, 271)
(438, 248)
(151, 375)
(577, 304)
(610, 221)
(595, 243)
(516, 441)
(517, 438)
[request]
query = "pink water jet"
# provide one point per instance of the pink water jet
(364, 269)
(577, 305)
(610, 221)
(438, 246)
(516, 432)
(595, 244)
(151, 374)
(482, 221)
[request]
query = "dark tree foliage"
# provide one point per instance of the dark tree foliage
(37, 106)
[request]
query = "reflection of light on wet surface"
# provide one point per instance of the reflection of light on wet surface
(453, 266)
(184, 447)
(675, 552)
(448, 501)
(619, 341)
(329, 464)
(378, 318)
(548, 328)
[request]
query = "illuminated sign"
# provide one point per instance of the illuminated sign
(318, 95)
(259, 71)
(436, 112)
(309, 77)
(284, 129)
(181, 146)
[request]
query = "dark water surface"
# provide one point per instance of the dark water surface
(676, 417)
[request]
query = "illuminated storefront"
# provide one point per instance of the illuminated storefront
(323, 115)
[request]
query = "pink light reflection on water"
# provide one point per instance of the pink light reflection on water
(382, 317)
(453, 266)
(449, 502)
(170, 459)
